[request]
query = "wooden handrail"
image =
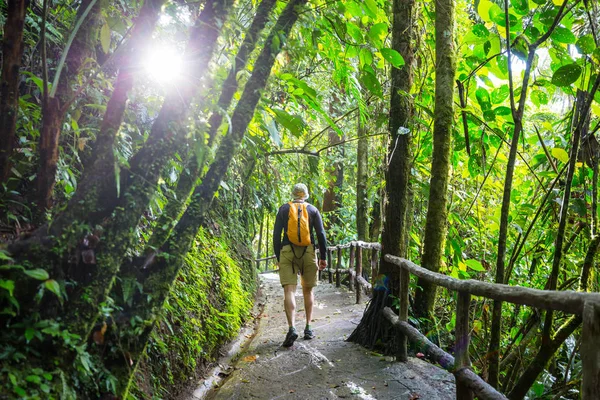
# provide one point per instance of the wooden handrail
(585, 304)
(566, 300)
(355, 278)
(473, 381)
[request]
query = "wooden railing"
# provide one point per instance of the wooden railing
(468, 383)
(355, 265)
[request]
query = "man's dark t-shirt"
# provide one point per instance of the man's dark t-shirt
(315, 224)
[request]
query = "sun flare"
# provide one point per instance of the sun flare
(163, 64)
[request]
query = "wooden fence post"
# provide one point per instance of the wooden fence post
(590, 351)
(350, 267)
(374, 271)
(403, 297)
(329, 265)
(338, 267)
(461, 347)
(358, 273)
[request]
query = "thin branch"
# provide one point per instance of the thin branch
(63, 58)
(328, 127)
(44, 54)
(546, 150)
(350, 140)
(292, 151)
(483, 183)
(507, 142)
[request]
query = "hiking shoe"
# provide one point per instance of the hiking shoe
(308, 334)
(290, 338)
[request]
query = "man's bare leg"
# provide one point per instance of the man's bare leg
(309, 299)
(289, 303)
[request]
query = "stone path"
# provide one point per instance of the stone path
(326, 367)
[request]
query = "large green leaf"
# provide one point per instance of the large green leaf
(377, 34)
(586, 44)
(500, 94)
(293, 123)
(371, 83)
(393, 57)
(354, 32)
(8, 285)
(483, 98)
(563, 35)
(475, 265)
(566, 75)
(520, 6)
(39, 274)
(105, 38)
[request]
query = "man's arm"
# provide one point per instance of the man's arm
(277, 234)
(320, 231)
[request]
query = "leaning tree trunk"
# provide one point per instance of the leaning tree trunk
(372, 328)
(332, 196)
(517, 114)
(435, 226)
(549, 347)
(190, 173)
(166, 138)
(362, 201)
(164, 266)
(551, 343)
(12, 51)
(58, 101)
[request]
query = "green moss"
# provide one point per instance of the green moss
(208, 304)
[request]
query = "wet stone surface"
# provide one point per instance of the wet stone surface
(326, 367)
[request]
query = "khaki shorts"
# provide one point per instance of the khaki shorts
(294, 260)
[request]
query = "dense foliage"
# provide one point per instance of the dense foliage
(126, 162)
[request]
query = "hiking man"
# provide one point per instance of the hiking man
(296, 255)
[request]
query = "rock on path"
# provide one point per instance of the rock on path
(326, 367)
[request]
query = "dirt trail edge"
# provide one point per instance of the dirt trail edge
(326, 367)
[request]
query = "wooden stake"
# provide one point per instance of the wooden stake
(461, 349)
(590, 351)
(358, 273)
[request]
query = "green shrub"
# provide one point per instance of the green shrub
(209, 302)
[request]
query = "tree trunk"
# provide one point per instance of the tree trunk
(517, 114)
(435, 227)
(191, 172)
(549, 347)
(56, 106)
(241, 59)
(582, 122)
(12, 51)
(331, 198)
(362, 201)
(372, 328)
(166, 138)
(166, 265)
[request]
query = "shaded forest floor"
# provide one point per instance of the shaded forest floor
(326, 367)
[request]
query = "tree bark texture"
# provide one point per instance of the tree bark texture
(56, 106)
(581, 121)
(332, 196)
(517, 113)
(230, 85)
(12, 52)
(435, 227)
(362, 201)
(165, 266)
(371, 328)
(166, 138)
(549, 348)
(191, 172)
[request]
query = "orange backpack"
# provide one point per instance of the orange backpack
(298, 230)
